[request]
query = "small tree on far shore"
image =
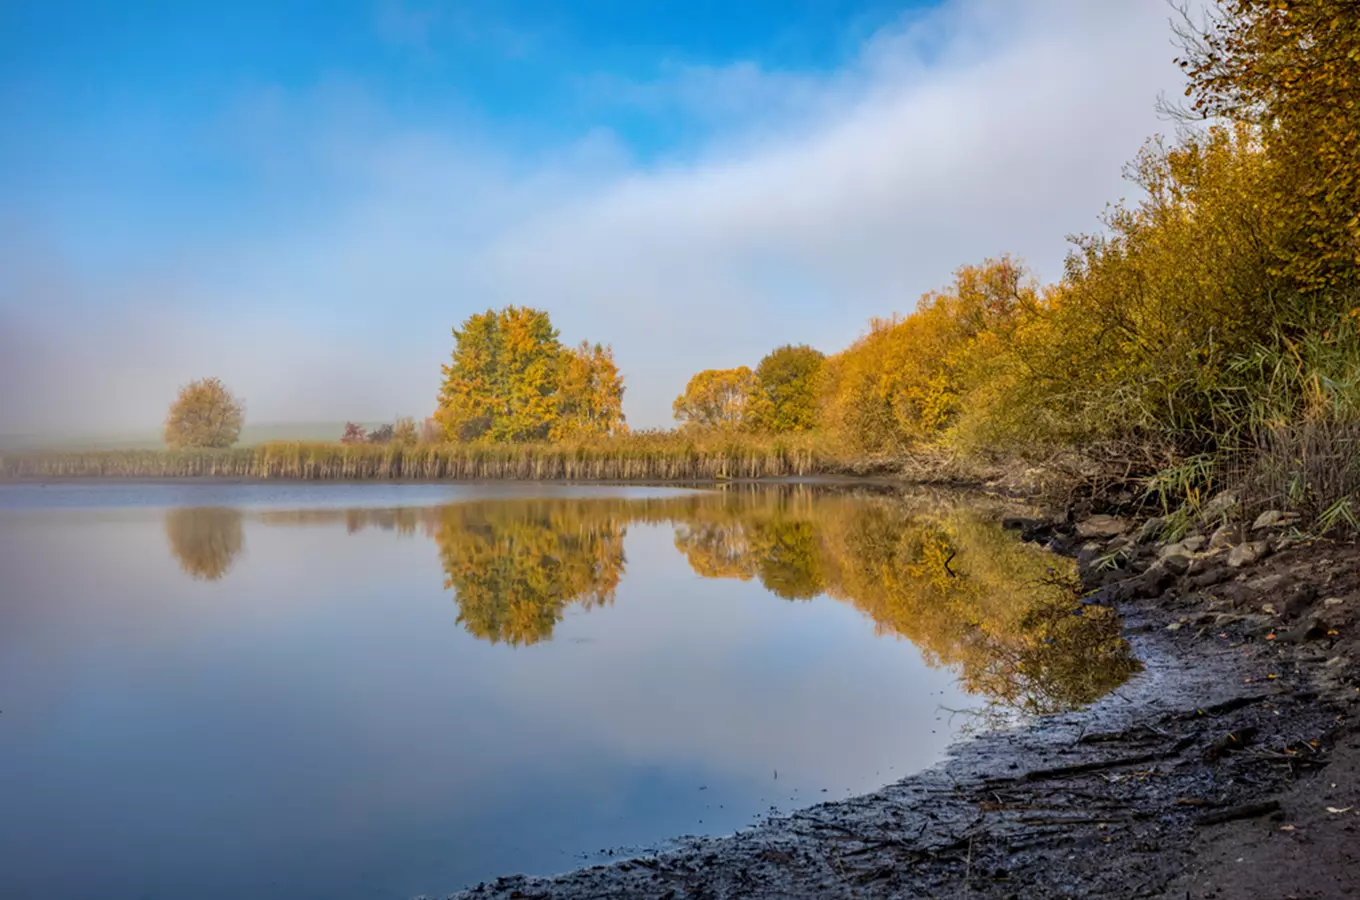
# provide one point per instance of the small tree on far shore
(205, 414)
(431, 432)
(404, 435)
(354, 434)
(381, 435)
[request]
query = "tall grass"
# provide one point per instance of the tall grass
(647, 456)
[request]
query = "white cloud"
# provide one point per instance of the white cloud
(813, 203)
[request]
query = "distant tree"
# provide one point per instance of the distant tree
(511, 379)
(431, 432)
(354, 434)
(204, 414)
(383, 434)
(590, 394)
(405, 432)
(785, 395)
(716, 398)
(501, 383)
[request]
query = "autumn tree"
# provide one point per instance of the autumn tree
(511, 380)
(716, 398)
(1291, 68)
(404, 434)
(354, 434)
(785, 395)
(431, 432)
(383, 434)
(590, 394)
(204, 414)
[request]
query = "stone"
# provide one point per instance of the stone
(1224, 536)
(1271, 518)
(1153, 582)
(1176, 563)
(1248, 553)
(1174, 626)
(1333, 601)
(1299, 600)
(1203, 576)
(1311, 630)
(1273, 583)
(1194, 543)
(1186, 547)
(1102, 526)
(1218, 506)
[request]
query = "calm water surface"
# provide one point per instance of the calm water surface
(378, 691)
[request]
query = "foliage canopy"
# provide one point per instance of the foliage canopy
(511, 380)
(205, 414)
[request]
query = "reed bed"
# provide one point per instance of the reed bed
(645, 457)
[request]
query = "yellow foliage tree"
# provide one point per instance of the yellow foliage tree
(716, 398)
(511, 380)
(205, 414)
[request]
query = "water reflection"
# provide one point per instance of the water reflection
(205, 540)
(931, 569)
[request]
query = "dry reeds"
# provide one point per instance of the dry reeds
(639, 457)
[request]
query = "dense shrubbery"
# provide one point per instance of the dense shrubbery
(1216, 321)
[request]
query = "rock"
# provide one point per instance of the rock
(1311, 630)
(1088, 555)
(1218, 506)
(1333, 601)
(1272, 584)
(1223, 619)
(1022, 523)
(1203, 576)
(1224, 536)
(1299, 601)
(1194, 543)
(1248, 553)
(1176, 563)
(1102, 526)
(1273, 518)
(1149, 529)
(1153, 582)
(1174, 626)
(1184, 547)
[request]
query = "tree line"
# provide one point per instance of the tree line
(1212, 323)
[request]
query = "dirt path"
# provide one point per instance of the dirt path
(1213, 774)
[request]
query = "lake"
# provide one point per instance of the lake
(378, 691)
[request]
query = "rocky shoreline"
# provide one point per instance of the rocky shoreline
(1230, 767)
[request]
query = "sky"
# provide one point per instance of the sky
(304, 198)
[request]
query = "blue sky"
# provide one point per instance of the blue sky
(303, 198)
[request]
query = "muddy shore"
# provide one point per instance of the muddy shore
(1229, 768)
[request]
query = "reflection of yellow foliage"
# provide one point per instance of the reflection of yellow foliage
(514, 567)
(204, 540)
(936, 571)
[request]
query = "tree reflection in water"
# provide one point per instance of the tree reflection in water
(934, 569)
(205, 540)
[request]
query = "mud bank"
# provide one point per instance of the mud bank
(1229, 767)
